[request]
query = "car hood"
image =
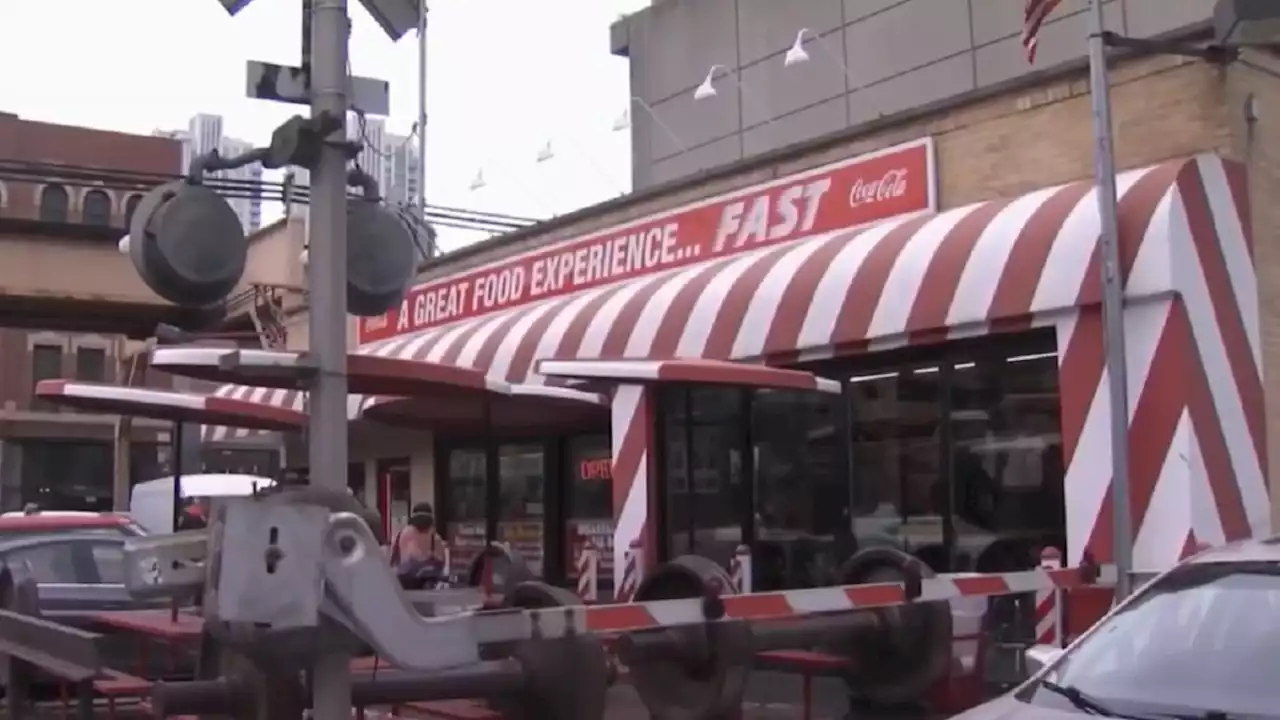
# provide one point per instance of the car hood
(1007, 708)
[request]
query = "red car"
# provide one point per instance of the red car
(15, 524)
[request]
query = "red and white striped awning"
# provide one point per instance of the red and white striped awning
(689, 371)
(999, 265)
(513, 408)
(169, 405)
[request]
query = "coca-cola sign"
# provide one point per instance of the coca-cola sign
(891, 185)
(849, 193)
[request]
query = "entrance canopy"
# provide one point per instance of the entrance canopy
(690, 371)
(366, 374)
(169, 405)
(386, 390)
(511, 409)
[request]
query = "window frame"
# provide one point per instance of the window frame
(86, 350)
(50, 212)
(97, 208)
(38, 347)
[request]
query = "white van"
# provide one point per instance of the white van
(151, 502)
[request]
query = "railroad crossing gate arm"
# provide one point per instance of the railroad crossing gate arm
(280, 565)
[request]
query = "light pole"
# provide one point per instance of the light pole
(326, 279)
(422, 113)
(1112, 302)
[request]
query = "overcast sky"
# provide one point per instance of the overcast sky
(504, 78)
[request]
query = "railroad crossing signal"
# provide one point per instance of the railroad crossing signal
(282, 83)
(395, 17)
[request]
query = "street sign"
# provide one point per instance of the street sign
(267, 81)
(281, 83)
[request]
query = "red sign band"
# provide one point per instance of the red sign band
(850, 193)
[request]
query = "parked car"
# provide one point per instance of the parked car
(1199, 642)
(77, 574)
(53, 522)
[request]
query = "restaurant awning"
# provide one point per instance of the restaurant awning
(1001, 265)
(688, 371)
(169, 405)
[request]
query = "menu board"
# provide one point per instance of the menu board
(525, 537)
(600, 533)
(466, 540)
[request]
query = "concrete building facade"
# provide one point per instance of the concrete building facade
(867, 60)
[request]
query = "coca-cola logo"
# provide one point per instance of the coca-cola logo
(892, 185)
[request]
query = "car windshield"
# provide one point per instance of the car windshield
(1202, 642)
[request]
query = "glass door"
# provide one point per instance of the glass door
(522, 484)
(463, 493)
(701, 440)
(589, 503)
(801, 496)
(901, 492)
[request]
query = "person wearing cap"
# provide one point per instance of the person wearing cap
(417, 545)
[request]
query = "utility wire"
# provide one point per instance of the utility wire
(460, 220)
(125, 180)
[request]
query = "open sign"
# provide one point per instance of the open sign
(600, 469)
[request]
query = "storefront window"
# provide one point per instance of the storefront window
(589, 503)
(801, 493)
(1007, 461)
(703, 487)
(465, 512)
(59, 475)
(522, 482)
(959, 460)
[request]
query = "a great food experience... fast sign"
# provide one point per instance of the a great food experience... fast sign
(861, 190)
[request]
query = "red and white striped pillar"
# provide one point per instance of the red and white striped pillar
(632, 425)
(588, 570)
(1049, 604)
(632, 572)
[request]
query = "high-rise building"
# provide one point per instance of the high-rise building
(400, 179)
(248, 200)
(371, 132)
(203, 134)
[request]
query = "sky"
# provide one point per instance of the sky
(504, 79)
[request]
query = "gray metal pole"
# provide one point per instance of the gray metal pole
(327, 403)
(421, 200)
(1112, 302)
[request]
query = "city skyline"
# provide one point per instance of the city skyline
(391, 159)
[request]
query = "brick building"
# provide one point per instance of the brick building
(66, 197)
(939, 263)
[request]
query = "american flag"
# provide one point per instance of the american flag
(1032, 18)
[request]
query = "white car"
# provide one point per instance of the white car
(1200, 642)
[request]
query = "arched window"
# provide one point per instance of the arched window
(130, 207)
(54, 203)
(97, 208)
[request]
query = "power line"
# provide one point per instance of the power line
(127, 180)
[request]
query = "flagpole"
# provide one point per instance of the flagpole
(1112, 301)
